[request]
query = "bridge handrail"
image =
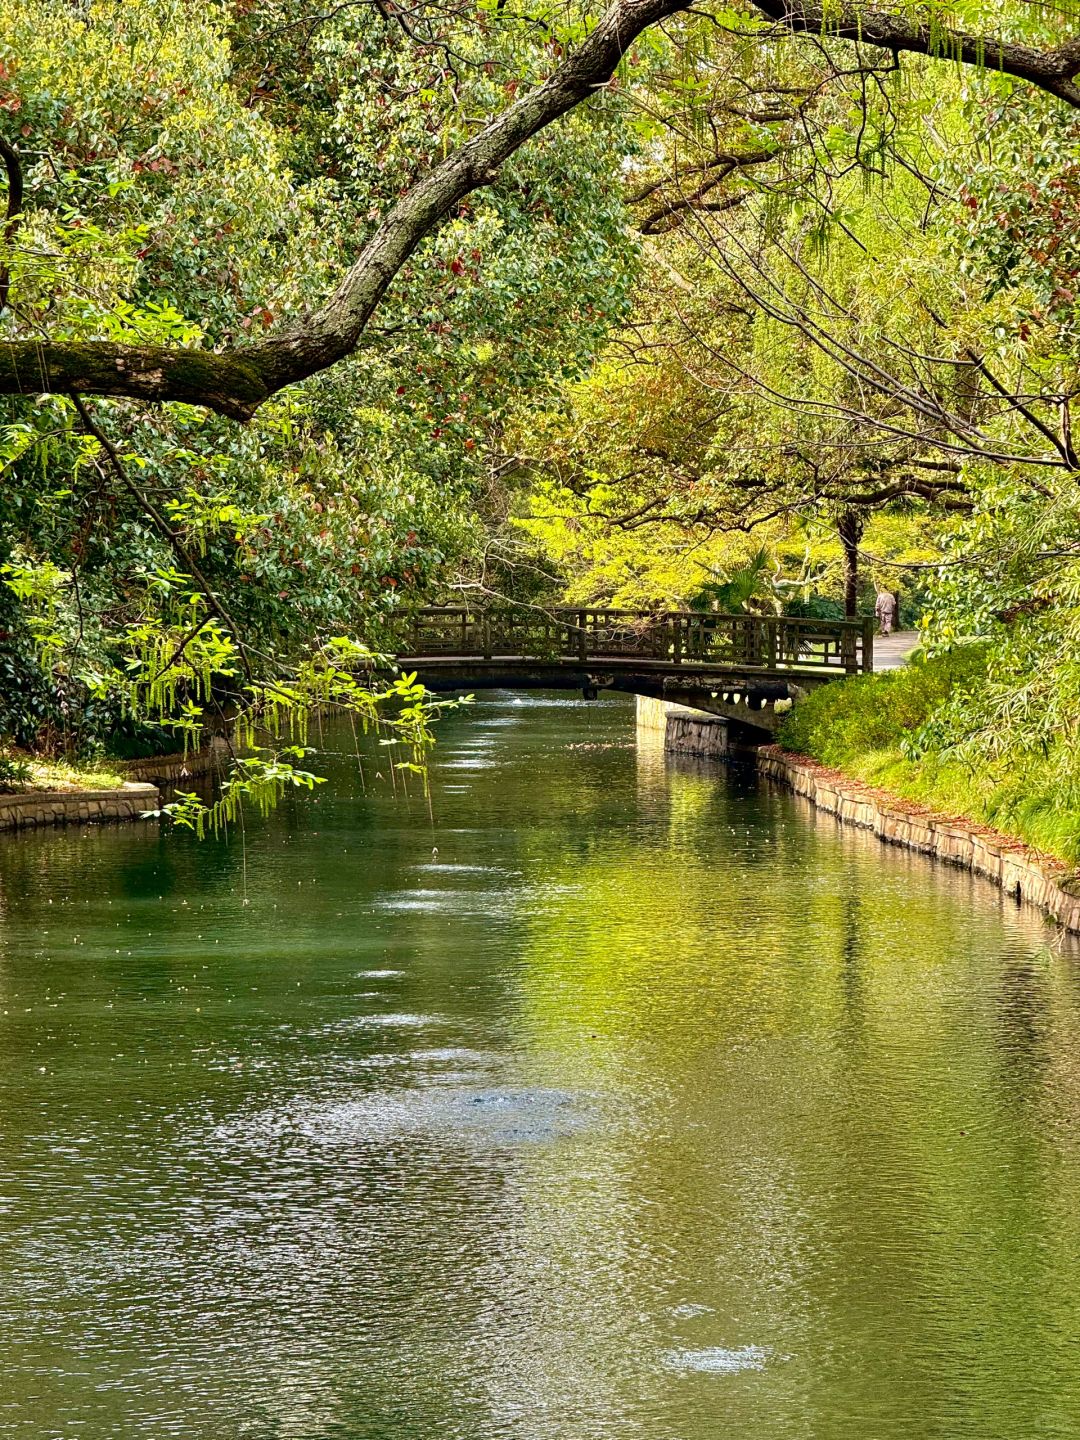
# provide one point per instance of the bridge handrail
(682, 638)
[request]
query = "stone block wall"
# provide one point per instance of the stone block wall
(174, 770)
(35, 809)
(1021, 872)
(685, 731)
(689, 734)
(651, 714)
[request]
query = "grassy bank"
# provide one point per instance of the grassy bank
(893, 730)
(20, 775)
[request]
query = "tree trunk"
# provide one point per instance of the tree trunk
(850, 529)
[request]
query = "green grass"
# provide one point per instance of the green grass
(857, 726)
(22, 775)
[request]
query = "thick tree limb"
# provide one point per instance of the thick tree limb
(1054, 70)
(950, 496)
(237, 382)
(231, 383)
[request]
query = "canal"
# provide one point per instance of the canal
(616, 1100)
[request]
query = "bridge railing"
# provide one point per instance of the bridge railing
(672, 637)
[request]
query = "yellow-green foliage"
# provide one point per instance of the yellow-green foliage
(881, 729)
(629, 504)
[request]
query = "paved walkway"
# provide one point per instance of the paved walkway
(891, 651)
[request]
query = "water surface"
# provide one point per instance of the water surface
(621, 1100)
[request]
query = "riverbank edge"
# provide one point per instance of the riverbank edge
(41, 809)
(1021, 872)
(170, 771)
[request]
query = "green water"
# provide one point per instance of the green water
(652, 1107)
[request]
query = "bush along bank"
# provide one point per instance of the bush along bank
(920, 733)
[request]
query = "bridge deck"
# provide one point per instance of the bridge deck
(890, 653)
(739, 667)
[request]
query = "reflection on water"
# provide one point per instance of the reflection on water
(720, 1362)
(650, 1107)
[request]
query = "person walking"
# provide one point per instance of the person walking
(886, 611)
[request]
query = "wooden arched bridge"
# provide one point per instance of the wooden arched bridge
(738, 666)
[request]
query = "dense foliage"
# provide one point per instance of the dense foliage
(852, 365)
(170, 565)
(920, 733)
(773, 318)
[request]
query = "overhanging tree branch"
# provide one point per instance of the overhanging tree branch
(236, 382)
(1053, 70)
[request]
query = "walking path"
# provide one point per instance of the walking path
(892, 651)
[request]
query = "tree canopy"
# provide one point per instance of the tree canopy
(759, 303)
(574, 55)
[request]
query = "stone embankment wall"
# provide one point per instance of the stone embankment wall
(173, 770)
(36, 809)
(33, 810)
(685, 731)
(1021, 872)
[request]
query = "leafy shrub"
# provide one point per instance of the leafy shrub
(878, 712)
(920, 732)
(15, 773)
(817, 607)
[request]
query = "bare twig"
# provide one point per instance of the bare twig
(162, 526)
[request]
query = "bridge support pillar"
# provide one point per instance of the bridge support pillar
(686, 731)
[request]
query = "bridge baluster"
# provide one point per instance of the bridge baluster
(770, 644)
(676, 638)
